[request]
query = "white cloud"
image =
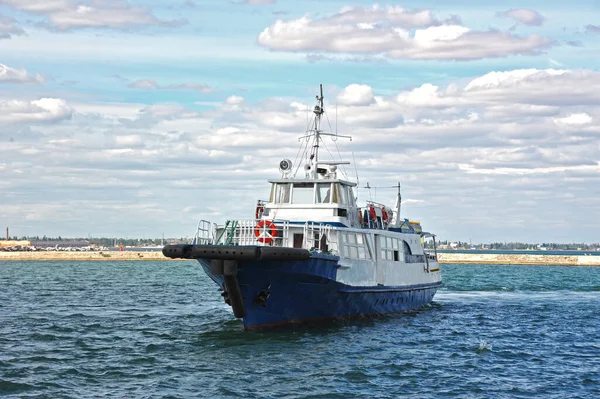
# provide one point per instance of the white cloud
(9, 27)
(529, 171)
(129, 141)
(457, 148)
(38, 6)
(509, 78)
(38, 111)
(11, 75)
(524, 16)
(258, 2)
(396, 15)
(68, 14)
(355, 94)
(541, 87)
(234, 100)
(388, 31)
(574, 119)
(149, 84)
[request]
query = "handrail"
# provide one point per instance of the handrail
(205, 233)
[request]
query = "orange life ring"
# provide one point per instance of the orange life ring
(372, 213)
(384, 215)
(262, 232)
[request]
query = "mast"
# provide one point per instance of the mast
(319, 110)
(314, 133)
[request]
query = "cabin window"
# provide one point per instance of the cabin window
(340, 195)
(388, 247)
(340, 212)
(282, 193)
(350, 195)
(343, 195)
(361, 252)
(351, 238)
(335, 197)
(323, 193)
(353, 246)
(302, 193)
(407, 250)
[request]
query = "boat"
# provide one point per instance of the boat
(311, 254)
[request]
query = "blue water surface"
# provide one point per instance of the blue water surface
(160, 330)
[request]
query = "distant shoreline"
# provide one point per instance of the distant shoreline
(83, 255)
(444, 258)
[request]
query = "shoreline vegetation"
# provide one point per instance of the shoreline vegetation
(444, 258)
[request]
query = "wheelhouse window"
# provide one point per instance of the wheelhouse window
(282, 193)
(340, 194)
(350, 195)
(323, 193)
(303, 193)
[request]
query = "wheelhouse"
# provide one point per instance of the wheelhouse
(330, 200)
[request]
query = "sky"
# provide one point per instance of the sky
(123, 118)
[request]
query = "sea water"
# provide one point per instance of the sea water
(160, 330)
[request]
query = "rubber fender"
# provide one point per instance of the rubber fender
(283, 253)
(232, 252)
(177, 251)
(235, 296)
(216, 267)
(230, 267)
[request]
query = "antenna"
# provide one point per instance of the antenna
(355, 169)
(321, 100)
(336, 118)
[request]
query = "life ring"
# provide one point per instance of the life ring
(384, 215)
(372, 213)
(262, 232)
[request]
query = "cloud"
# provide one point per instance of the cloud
(9, 27)
(574, 119)
(259, 2)
(541, 87)
(524, 16)
(149, 84)
(19, 76)
(234, 100)
(355, 94)
(64, 15)
(395, 33)
(592, 29)
(528, 134)
(44, 110)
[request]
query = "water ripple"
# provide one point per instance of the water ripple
(160, 330)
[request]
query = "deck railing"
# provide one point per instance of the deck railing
(318, 236)
(315, 236)
(205, 233)
(254, 232)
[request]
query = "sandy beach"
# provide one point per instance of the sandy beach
(444, 258)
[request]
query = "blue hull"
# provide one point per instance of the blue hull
(306, 291)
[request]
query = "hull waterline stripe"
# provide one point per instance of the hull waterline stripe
(419, 287)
